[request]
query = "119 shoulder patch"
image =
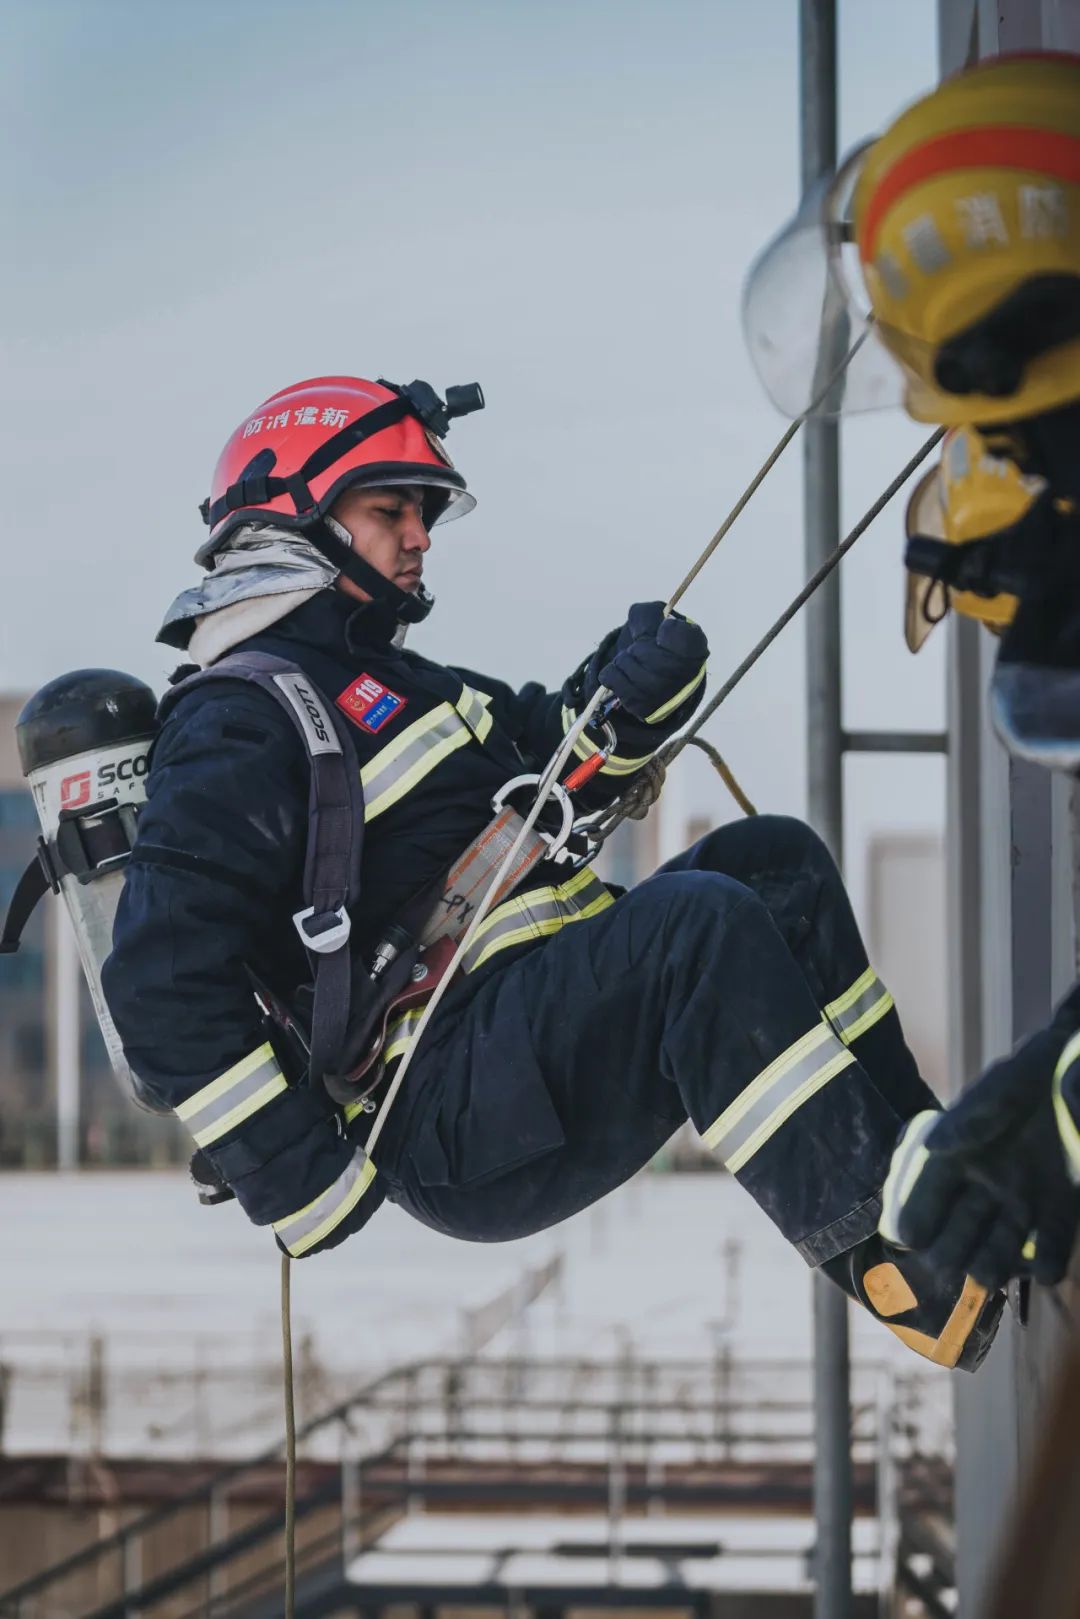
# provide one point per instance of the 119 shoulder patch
(369, 703)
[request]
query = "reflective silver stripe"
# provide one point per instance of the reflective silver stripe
(860, 1007)
(405, 761)
(1067, 1129)
(234, 1096)
(308, 1226)
(769, 1100)
(535, 915)
(908, 1161)
(414, 752)
(616, 764)
(472, 705)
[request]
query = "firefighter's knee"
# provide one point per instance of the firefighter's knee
(788, 845)
(766, 844)
(695, 908)
(808, 851)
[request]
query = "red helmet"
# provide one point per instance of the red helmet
(290, 460)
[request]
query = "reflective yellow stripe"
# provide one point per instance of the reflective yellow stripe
(777, 1092)
(539, 930)
(314, 1222)
(616, 764)
(1067, 1129)
(233, 1097)
(672, 703)
(243, 1110)
(224, 1082)
(860, 1007)
(473, 707)
(403, 763)
(398, 1037)
(536, 915)
(401, 1031)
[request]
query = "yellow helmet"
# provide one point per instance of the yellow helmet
(946, 252)
(969, 495)
(967, 220)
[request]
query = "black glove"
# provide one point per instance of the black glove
(654, 660)
(970, 1186)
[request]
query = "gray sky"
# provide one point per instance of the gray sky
(209, 201)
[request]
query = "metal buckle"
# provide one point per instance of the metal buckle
(555, 841)
(74, 851)
(331, 938)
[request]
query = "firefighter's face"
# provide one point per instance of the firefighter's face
(387, 528)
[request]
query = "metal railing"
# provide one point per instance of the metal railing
(618, 1437)
(146, 1394)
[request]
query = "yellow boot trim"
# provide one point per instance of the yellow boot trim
(889, 1290)
(947, 1349)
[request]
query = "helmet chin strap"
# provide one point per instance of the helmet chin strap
(335, 542)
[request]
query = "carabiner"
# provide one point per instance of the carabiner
(556, 841)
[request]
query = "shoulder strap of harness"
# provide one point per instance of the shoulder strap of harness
(335, 833)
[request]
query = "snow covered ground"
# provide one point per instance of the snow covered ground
(183, 1303)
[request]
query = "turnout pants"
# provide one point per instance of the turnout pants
(731, 988)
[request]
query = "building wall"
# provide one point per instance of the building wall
(905, 905)
(1012, 950)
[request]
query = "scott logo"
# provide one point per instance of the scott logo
(123, 769)
(314, 712)
(315, 723)
(75, 791)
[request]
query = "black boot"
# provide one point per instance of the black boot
(950, 1320)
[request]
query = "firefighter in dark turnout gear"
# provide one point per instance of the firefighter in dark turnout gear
(584, 1026)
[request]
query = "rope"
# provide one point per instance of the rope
(759, 478)
(290, 1439)
(725, 773)
(751, 489)
(629, 805)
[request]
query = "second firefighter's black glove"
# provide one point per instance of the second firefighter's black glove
(971, 1186)
(656, 662)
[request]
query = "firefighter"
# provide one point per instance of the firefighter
(585, 1026)
(958, 232)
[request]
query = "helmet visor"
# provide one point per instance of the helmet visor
(451, 500)
(806, 315)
